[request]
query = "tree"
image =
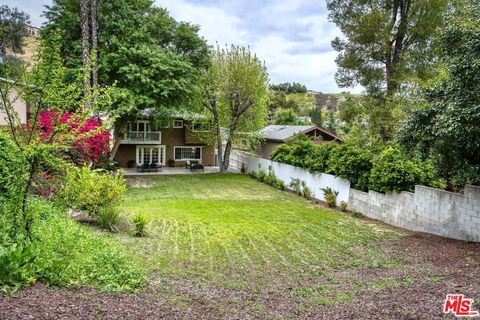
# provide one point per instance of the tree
(289, 88)
(84, 26)
(286, 117)
(235, 94)
(41, 88)
(387, 43)
(13, 29)
(446, 124)
(154, 61)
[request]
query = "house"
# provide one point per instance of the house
(173, 144)
(275, 135)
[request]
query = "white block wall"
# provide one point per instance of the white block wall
(429, 210)
(286, 172)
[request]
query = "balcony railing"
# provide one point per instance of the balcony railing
(141, 137)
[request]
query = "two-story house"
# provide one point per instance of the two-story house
(182, 139)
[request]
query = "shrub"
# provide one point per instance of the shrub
(330, 196)
(281, 154)
(394, 171)
(307, 193)
(352, 163)
(296, 185)
(89, 190)
(343, 206)
(139, 224)
(108, 217)
(16, 263)
(63, 253)
(357, 214)
(12, 165)
(317, 162)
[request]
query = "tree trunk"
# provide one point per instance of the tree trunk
(85, 50)
(228, 147)
(226, 157)
(94, 46)
(26, 218)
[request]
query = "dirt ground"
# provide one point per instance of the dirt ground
(438, 266)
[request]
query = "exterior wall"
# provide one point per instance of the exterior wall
(428, 210)
(170, 138)
(125, 153)
(19, 106)
(286, 172)
(266, 148)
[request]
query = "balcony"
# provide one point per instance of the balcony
(131, 137)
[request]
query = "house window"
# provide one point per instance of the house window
(188, 153)
(201, 126)
(151, 154)
(178, 123)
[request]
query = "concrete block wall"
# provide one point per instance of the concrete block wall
(429, 210)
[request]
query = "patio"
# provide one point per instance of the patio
(171, 171)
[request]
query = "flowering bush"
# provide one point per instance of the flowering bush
(93, 143)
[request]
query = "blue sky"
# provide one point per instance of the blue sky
(292, 36)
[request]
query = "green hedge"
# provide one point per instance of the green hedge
(383, 169)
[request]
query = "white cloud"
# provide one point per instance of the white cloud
(295, 45)
(216, 24)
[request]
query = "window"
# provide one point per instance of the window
(151, 154)
(201, 126)
(188, 153)
(178, 123)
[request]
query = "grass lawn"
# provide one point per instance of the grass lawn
(232, 232)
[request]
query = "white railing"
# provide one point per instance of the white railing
(141, 137)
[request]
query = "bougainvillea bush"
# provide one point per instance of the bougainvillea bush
(92, 145)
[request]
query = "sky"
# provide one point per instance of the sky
(292, 36)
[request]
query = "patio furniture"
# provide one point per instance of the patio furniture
(145, 167)
(154, 167)
(197, 167)
(190, 163)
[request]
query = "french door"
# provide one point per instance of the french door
(151, 154)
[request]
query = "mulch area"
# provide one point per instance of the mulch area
(439, 266)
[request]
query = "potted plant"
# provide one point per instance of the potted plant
(131, 163)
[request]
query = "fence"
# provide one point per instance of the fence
(429, 210)
(287, 172)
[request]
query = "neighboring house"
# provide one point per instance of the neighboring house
(183, 139)
(275, 135)
(18, 105)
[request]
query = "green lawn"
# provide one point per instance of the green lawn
(232, 232)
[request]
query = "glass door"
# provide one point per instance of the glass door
(151, 154)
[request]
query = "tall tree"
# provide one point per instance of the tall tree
(446, 125)
(235, 93)
(13, 29)
(93, 17)
(84, 25)
(153, 60)
(387, 43)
